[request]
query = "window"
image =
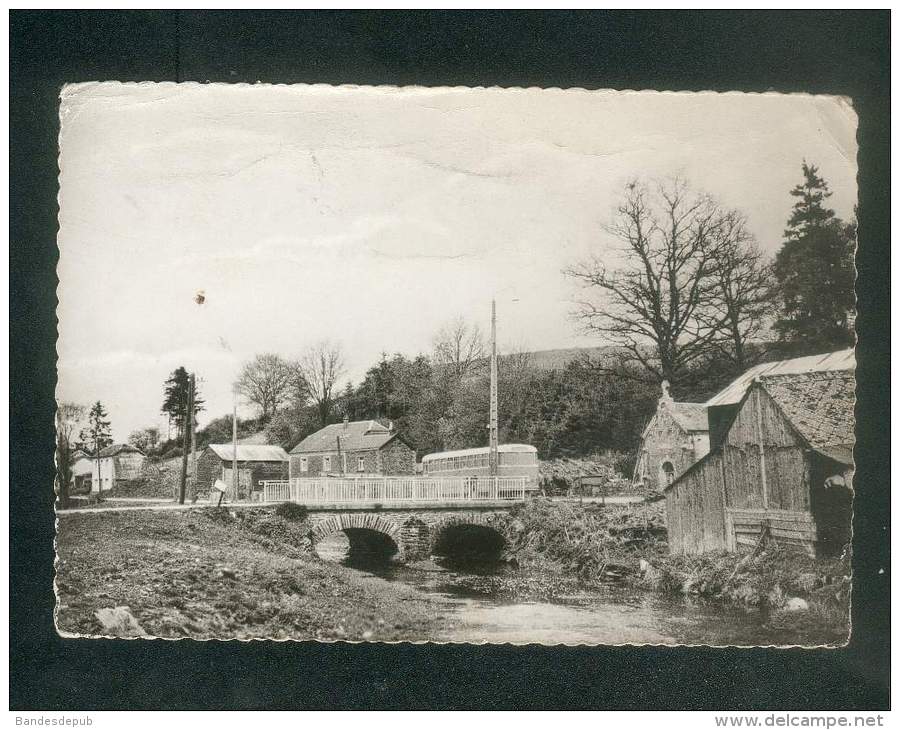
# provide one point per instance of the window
(326, 463)
(669, 472)
(360, 463)
(304, 464)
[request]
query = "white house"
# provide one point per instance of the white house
(117, 463)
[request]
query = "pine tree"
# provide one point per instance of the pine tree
(815, 272)
(98, 435)
(808, 212)
(176, 398)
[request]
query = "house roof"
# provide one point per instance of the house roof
(820, 407)
(250, 452)
(354, 435)
(734, 392)
(690, 416)
(115, 449)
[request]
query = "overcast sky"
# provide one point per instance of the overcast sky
(374, 215)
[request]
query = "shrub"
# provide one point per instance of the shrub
(291, 511)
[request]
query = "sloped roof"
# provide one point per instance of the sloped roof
(690, 416)
(250, 452)
(734, 392)
(354, 435)
(115, 449)
(820, 406)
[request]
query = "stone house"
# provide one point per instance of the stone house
(117, 463)
(352, 448)
(781, 467)
(676, 437)
(256, 463)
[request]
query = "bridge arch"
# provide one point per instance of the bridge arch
(469, 538)
(373, 538)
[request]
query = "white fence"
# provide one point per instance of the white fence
(411, 490)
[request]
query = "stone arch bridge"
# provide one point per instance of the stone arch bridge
(409, 517)
(415, 533)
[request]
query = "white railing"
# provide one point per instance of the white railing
(411, 490)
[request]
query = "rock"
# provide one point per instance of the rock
(643, 566)
(118, 621)
(367, 635)
(796, 604)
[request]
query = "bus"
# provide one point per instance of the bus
(514, 460)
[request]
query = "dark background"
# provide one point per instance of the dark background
(811, 51)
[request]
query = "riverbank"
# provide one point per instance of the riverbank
(218, 574)
(567, 545)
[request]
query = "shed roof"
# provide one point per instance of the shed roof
(116, 449)
(250, 452)
(354, 435)
(820, 406)
(734, 392)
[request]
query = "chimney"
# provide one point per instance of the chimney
(346, 422)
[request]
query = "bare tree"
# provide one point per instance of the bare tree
(320, 367)
(69, 417)
(266, 382)
(458, 347)
(742, 295)
(145, 439)
(651, 306)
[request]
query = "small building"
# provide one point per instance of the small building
(360, 448)
(781, 468)
(117, 463)
(256, 463)
(676, 437)
(82, 469)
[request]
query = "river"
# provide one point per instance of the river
(476, 611)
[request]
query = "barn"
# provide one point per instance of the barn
(781, 468)
(675, 437)
(360, 448)
(256, 463)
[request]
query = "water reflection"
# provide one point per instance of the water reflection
(479, 608)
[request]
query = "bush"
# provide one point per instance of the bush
(291, 511)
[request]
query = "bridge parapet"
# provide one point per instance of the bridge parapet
(396, 491)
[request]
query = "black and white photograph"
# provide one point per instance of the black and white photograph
(456, 365)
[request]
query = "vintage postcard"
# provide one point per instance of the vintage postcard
(551, 366)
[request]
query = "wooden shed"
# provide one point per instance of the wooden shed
(782, 469)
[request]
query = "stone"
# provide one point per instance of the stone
(796, 604)
(643, 565)
(118, 621)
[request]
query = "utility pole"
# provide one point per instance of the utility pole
(186, 441)
(492, 427)
(234, 477)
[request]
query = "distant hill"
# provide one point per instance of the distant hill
(558, 359)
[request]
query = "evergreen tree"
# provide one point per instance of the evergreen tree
(808, 212)
(815, 272)
(176, 398)
(97, 434)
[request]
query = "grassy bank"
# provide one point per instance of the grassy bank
(209, 573)
(627, 544)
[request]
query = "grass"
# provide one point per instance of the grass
(209, 573)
